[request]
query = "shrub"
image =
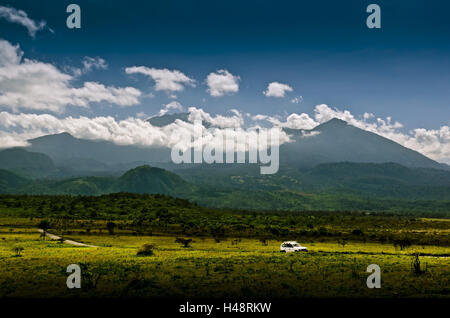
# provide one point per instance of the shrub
(44, 225)
(146, 250)
(415, 265)
(111, 226)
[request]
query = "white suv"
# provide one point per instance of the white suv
(292, 246)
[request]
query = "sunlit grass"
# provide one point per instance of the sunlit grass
(207, 268)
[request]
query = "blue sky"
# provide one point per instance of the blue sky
(323, 50)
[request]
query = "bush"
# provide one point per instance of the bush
(111, 226)
(184, 242)
(17, 250)
(416, 266)
(357, 232)
(402, 243)
(146, 250)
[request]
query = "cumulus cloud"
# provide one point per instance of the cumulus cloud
(90, 63)
(276, 89)
(165, 80)
(15, 129)
(173, 105)
(35, 85)
(297, 100)
(129, 131)
(21, 17)
(222, 83)
(234, 121)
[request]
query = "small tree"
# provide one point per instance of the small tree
(402, 243)
(44, 225)
(18, 250)
(184, 242)
(415, 265)
(263, 240)
(111, 226)
(343, 242)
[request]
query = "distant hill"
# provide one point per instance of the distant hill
(143, 179)
(146, 179)
(26, 163)
(331, 187)
(11, 182)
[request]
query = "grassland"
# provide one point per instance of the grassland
(232, 253)
(232, 267)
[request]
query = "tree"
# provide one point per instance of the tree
(184, 242)
(342, 242)
(44, 225)
(18, 250)
(402, 243)
(111, 226)
(416, 266)
(263, 240)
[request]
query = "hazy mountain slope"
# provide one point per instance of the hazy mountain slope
(336, 141)
(26, 163)
(63, 147)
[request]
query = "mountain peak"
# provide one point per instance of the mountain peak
(332, 124)
(60, 136)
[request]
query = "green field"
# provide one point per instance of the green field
(233, 267)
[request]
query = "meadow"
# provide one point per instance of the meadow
(231, 267)
(158, 246)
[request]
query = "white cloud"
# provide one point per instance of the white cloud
(129, 131)
(222, 83)
(141, 115)
(90, 63)
(21, 17)
(15, 129)
(198, 114)
(173, 105)
(276, 89)
(297, 100)
(166, 80)
(30, 84)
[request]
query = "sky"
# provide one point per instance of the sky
(289, 63)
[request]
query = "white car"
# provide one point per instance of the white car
(292, 246)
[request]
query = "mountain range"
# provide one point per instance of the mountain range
(333, 166)
(333, 141)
